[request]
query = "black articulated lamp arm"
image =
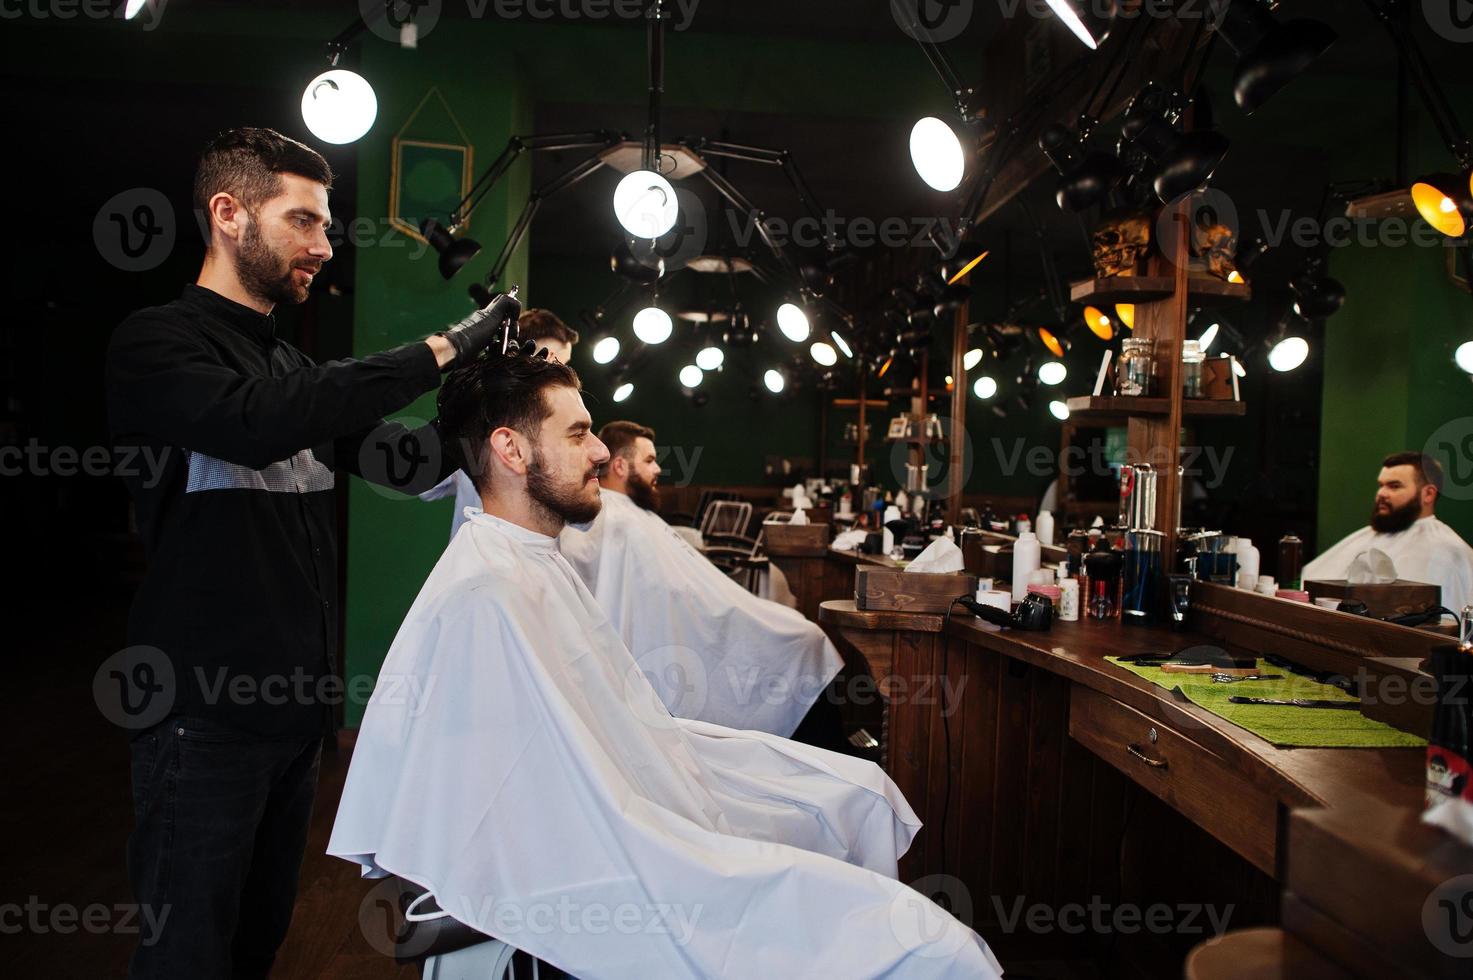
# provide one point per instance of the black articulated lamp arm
(1392, 15)
(739, 201)
(601, 138)
(936, 55)
(561, 182)
(761, 154)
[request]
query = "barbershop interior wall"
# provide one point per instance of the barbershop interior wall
(393, 543)
(1389, 378)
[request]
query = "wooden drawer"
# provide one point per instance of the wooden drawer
(1180, 772)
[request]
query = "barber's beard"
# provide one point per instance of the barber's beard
(566, 501)
(643, 492)
(1396, 519)
(264, 273)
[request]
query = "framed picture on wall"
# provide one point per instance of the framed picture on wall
(427, 180)
(432, 167)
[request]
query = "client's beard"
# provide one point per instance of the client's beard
(1397, 518)
(643, 492)
(560, 500)
(265, 274)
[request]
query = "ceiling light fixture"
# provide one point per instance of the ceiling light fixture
(710, 358)
(1090, 22)
(606, 349)
(1052, 372)
(653, 325)
(793, 322)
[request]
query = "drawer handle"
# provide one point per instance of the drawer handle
(1135, 750)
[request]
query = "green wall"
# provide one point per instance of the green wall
(1390, 382)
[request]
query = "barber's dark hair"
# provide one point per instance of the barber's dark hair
(1427, 468)
(247, 162)
(494, 391)
(539, 324)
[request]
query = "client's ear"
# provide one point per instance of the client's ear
(508, 447)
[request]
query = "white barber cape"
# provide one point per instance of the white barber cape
(1429, 551)
(515, 762)
(713, 651)
(466, 495)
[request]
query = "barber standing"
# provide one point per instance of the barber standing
(240, 598)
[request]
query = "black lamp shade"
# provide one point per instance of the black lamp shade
(626, 264)
(966, 257)
(1085, 177)
(480, 295)
(1283, 53)
(1089, 183)
(454, 252)
(1186, 161)
(1269, 53)
(1318, 297)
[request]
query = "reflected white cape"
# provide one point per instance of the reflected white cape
(1429, 551)
(713, 651)
(515, 761)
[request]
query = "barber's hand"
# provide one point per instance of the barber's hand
(482, 328)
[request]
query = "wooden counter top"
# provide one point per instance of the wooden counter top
(1334, 833)
(1077, 651)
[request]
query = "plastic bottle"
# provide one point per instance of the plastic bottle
(1247, 565)
(1026, 557)
(1045, 527)
(1069, 600)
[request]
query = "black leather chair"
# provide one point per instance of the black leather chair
(444, 948)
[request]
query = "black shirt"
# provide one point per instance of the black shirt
(239, 521)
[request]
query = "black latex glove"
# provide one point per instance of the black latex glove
(482, 328)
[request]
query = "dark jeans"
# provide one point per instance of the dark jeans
(220, 824)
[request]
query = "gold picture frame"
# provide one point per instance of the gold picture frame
(418, 171)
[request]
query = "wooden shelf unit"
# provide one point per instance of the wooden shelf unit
(1201, 290)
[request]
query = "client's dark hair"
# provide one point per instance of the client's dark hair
(492, 392)
(1427, 468)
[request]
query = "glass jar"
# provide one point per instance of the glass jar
(1137, 367)
(1192, 358)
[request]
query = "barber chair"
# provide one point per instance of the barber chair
(447, 949)
(726, 517)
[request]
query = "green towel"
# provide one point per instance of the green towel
(1283, 725)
